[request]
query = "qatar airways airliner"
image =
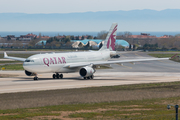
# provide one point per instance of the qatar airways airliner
(84, 62)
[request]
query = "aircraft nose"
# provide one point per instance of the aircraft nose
(26, 66)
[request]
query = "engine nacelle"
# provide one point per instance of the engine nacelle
(29, 73)
(86, 71)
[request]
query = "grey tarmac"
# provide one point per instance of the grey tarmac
(24, 83)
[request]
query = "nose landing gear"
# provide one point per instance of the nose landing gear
(57, 76)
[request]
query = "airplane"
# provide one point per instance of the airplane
(84, 62)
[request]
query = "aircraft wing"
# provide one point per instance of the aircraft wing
(13, 58)
(73, 65)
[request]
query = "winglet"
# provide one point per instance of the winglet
(5, 55)
(173, 56)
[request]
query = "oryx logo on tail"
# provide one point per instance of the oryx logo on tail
(109, 43)
(112, 39)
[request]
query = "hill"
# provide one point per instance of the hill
(134, 20)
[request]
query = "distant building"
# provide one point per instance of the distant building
(43, 37)
(146, 34)
(60, 37)
(96, 43)
(142, 36)
(27, 37)
(10, 37)
(165, 36)
(42, 42)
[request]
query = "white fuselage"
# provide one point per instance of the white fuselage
(54, 62)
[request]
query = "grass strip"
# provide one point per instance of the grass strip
(163, 55)
(11, 49)
(12, 67)
(9, 62)
(25, 55)
(137, 109)
(176, 59)
(132, 109)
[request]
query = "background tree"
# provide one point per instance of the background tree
(102, 35)
(72, 37)
(119, 47)
(127, 33)
(82, 38)
(39, 35)
(8, 38)
(177, 35)
(66, 40)
(32, 43)
(77, 37)
(89, 37)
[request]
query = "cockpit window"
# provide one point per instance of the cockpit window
(29, 60)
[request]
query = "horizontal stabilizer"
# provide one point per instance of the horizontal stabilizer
(174, 56)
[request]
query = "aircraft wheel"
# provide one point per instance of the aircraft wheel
(84, 77)
(35, 78)
(92, 77)
(54, 76)
(57, 76)
(88, 77)
(61, 76)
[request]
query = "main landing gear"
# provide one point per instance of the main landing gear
(57, 76)
(90, 77)
(36, 78)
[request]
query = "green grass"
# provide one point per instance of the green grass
(12, 67)
(176, 59)
(162, 55)
(165, 51)
(141, 109)
(145, 109)
(17, 55)
(137, 109)
(24, 113)
(11, 49)
(7, 62)
(164, 85)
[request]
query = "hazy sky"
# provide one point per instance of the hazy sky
(69, 6)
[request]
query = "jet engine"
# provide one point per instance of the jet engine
(86, 71)
(29, 73)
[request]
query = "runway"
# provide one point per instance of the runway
(23, 83)
(140, 72)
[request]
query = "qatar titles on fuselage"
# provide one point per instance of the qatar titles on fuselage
(54, 62)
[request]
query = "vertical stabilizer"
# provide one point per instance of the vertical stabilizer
(110, 40)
